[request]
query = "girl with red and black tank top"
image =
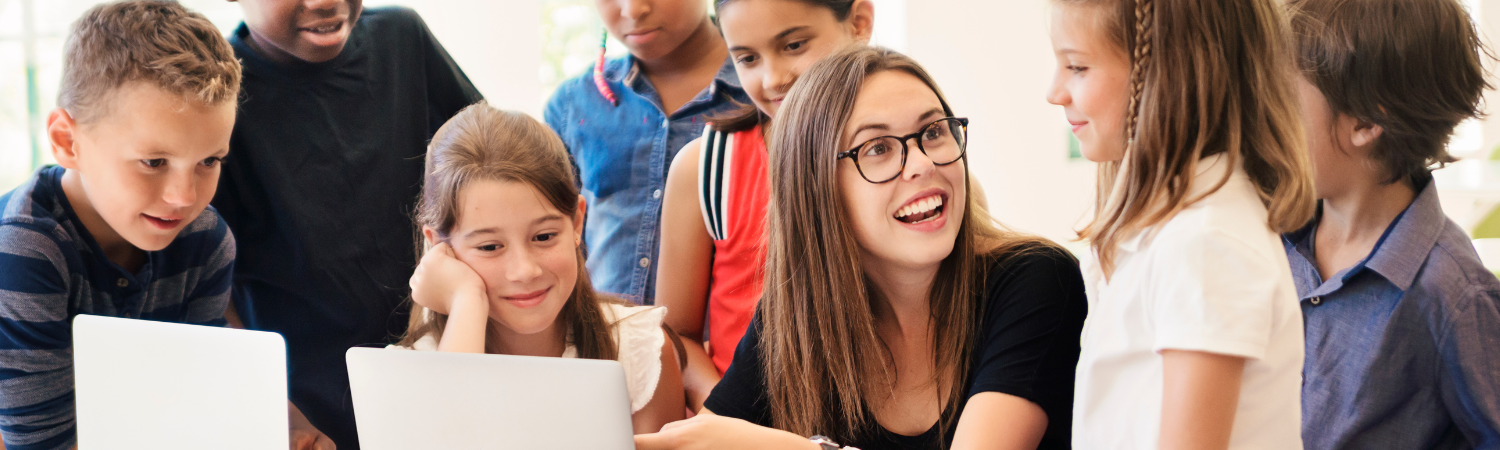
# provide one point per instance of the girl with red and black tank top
(733, 190)
(714, 210)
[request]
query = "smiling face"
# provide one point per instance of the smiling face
(1092, 83)
(912, 221)
(309, 30)
(144, 169)
(651, 29)
(773, 41)
(525, 249)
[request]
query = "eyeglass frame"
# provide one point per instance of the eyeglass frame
(853, 153)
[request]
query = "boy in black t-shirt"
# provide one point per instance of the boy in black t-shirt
(326, 163)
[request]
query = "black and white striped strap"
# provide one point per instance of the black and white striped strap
(714, 161)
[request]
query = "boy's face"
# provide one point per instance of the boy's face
(148, 166)
(309, 30)
(651, 29)
(1340, 158)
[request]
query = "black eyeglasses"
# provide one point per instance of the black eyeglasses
(943, 141)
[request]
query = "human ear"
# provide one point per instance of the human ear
(60, 133)
(862, 19)
(578, 216)
(431, 238)
(1365, 133)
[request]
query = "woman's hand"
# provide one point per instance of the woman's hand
(441, 277)
(708, 431)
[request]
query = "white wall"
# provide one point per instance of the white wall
(498, 43)
(994, 62)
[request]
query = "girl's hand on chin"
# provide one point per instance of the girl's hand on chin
(440, 277)
(713, 432)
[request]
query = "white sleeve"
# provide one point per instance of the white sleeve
(1213, 292)
(640, 339)
(426, 344)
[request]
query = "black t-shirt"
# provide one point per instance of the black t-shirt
(324, 168)
(1032, 314)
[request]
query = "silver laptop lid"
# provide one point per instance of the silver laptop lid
(407, 399)
(166, 386)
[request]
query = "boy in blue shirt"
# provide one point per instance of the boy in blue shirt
(324, 170)
(1402, 319)
(123, 227)
(623, 135)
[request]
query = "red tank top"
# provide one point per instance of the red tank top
(733, 191)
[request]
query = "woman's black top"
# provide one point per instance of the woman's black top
(1032, 314)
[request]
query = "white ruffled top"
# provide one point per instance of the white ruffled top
(639, 337)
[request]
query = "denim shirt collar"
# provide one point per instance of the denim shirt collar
(1400, 252)
(627, 71)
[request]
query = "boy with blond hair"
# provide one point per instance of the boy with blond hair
(122, 227)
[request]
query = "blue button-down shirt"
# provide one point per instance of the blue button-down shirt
(622, 154)
(1403, 348)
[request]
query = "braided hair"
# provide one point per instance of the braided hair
(1206, 78)
(1140, 60)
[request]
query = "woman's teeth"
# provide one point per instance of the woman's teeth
(921, 210)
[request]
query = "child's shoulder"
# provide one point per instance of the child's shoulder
(393, 18)
(30, 211)
(33, 242)
(628, 315)
(1453, 273)
(576, 91)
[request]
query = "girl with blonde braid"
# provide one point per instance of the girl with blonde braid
(1194, 336)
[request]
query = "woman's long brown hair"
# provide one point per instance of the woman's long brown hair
(1207, 77)
(823, 361)
(484, 143)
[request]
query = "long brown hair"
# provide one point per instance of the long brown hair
(823, 360)
(1207, 77)
(484, 143)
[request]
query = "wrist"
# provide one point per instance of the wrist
(467, 296)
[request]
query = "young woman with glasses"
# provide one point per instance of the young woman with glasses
(896, 313)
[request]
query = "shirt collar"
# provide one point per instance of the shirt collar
(627, 71)
(1400, 255)
(1400, 252)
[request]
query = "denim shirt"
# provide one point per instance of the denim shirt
(1403, 348)
(622, 154)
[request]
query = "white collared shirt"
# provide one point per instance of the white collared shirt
(1214, 278)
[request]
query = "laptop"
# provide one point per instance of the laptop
(406, 399)
(166, 386)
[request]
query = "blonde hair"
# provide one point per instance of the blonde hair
(821, 356)
(484, 143)
(1206, 78)
(157, 42)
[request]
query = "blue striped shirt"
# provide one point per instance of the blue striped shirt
(51, 269)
